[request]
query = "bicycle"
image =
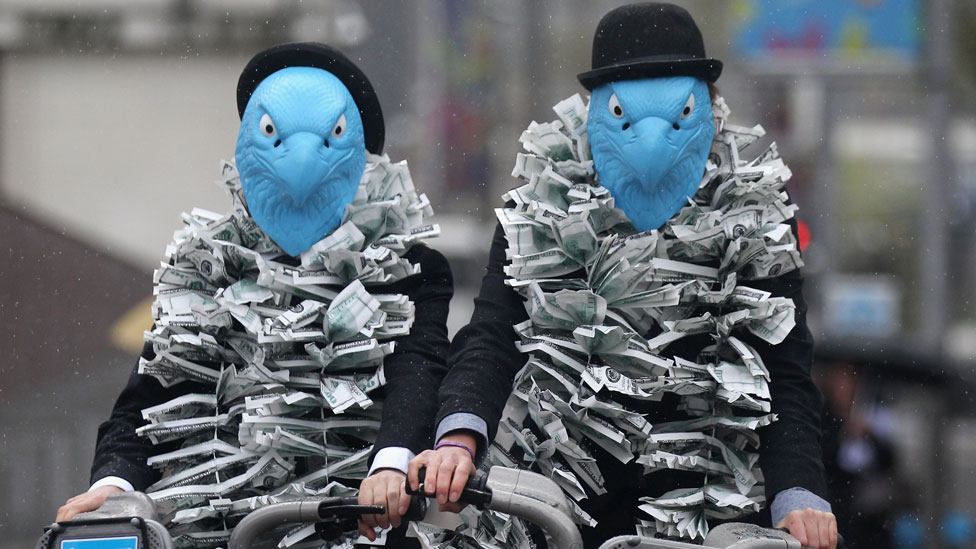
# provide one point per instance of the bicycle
(128, 520)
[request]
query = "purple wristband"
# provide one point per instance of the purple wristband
(453, 444)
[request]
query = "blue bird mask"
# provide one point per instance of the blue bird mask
(301, 155)
(650, 139)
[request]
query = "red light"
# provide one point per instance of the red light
(804, 233)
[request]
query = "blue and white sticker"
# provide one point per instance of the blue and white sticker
(128, 542)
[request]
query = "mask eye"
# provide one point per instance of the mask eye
(340, 127)
(267, 126)
(689, 107)
(615, 109)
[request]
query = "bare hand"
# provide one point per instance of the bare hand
(448, 469)
(83, 503)
(812, 528)
(384, 487)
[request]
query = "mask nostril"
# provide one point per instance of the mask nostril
(676, 126)
(326, 142)
(625, 126)
(278, 142)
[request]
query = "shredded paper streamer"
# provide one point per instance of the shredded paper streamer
(605, 304)
(291, 354)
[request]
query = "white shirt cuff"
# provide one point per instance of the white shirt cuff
(392, 457)
(118, 482)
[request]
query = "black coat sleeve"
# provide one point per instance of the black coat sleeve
(790, 455)
(417, 365)
(119, 451)
(484, 360)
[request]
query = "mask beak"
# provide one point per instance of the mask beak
(305, 162)
(652, 150)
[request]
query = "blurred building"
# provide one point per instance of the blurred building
(114, 115)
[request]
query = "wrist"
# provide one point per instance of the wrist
(461, 436)
(388, 470)
(453, 444)
(116, 482)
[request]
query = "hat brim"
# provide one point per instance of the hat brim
(320, 56)
(706, 69)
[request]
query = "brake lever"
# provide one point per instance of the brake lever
(339, 515)
(347, 508)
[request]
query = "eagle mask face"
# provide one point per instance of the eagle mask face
(301, 155)
(650, 139)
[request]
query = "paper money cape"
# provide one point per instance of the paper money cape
(605, 302)
(290, 353)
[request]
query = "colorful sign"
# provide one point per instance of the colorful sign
(830, 30)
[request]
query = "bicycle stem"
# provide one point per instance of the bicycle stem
(266, 518)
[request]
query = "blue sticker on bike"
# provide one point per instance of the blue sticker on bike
(130, 542)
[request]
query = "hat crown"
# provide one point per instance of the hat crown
(648, 40)
(646, 30)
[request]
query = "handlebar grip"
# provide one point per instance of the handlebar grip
(474, 492)
(417, 509)
(421, 477)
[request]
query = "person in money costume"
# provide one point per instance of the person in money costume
(299, 338)
(643, 292)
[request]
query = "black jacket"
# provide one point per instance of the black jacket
(413, 371)
(484, 360)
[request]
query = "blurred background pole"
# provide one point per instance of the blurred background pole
(937, 176)
(819, 92)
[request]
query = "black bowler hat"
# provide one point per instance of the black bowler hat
(320, 56)
(645, 41)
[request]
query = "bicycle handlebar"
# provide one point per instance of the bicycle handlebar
(521, 493)
(307, 510)
(524, 494)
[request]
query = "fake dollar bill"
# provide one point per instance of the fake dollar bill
(609, 308)
(285, 356)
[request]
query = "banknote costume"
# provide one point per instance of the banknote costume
(300, 336)
(642, 310)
